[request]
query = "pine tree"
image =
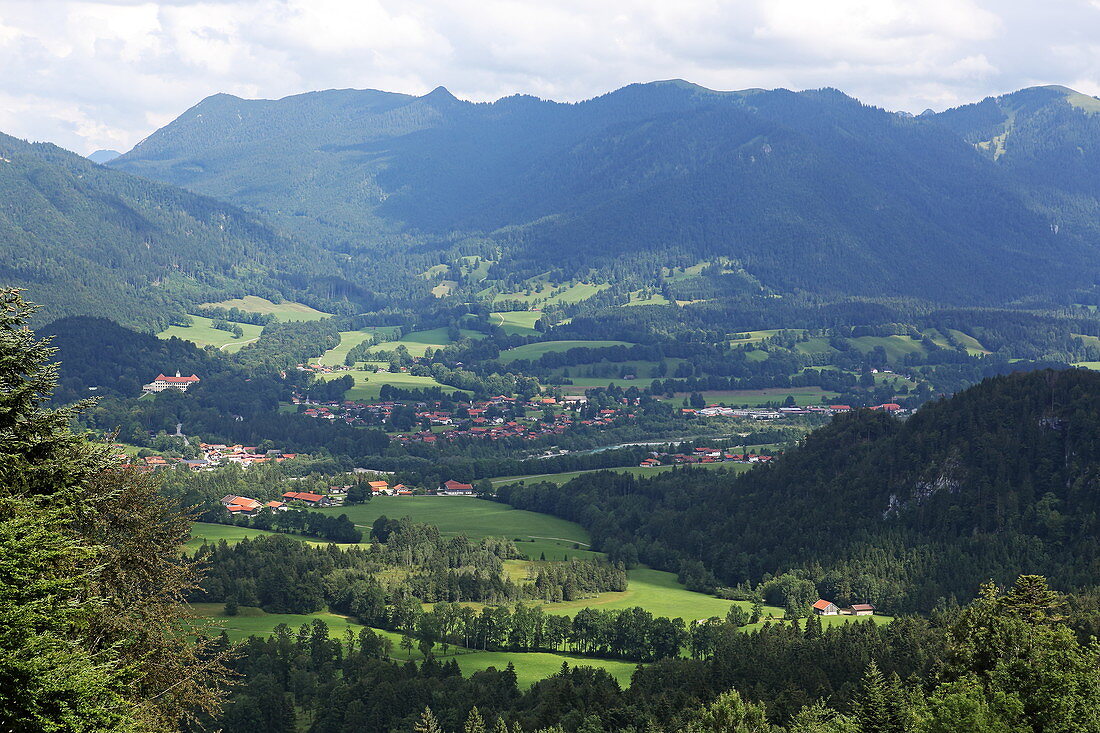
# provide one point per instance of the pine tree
(474, 722)
(91, 580)
(427, 723)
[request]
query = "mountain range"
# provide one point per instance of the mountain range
(347, 196)
(87, 240)
(990, 203)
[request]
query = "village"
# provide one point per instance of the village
(213, 456)
(336, 496)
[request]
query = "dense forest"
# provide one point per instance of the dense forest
(905, 514)
(912, 676)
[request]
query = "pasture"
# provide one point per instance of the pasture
(530, 667)
(418, 342)
(534, 666)
(642, 297)
(348, 341)
(535, 350)
(288, 310)
(516, 323)
(201, 332)
(662, 595)
(757, 397)
(368, 385)
(476, 518)
(545, 294)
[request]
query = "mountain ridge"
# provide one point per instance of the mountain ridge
(801, 189)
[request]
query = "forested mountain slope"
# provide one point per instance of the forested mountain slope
(999, 480)
(810, 191)
(84, 239)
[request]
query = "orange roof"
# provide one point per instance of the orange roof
(822, 605)
(176, 380)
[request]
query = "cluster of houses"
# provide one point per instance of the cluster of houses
(213, 455)
(246, 506)
(334, 496)
(767, 413)
(495, 419)
(828, 608)
(702, 455)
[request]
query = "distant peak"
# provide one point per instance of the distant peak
(440, 93)
(103, 156)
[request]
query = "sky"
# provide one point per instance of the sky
(90, 75)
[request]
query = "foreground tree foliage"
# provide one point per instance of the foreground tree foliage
(91, 584)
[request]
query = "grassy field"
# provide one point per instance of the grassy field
(757, 397)
(659, 593)
(288, 310)
(368, 385)
(755, 337)
(476, 518)
(896, 347)
(640, 297)
(201, 332)
(572, 294)
(348, 341)
(535, 666)
(418, 342)
(516, 323)
(204, 531)
(562, 478)
(530, 667)
(535, 350)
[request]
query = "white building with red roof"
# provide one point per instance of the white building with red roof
(162, 383)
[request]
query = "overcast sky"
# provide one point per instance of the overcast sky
(90, 75)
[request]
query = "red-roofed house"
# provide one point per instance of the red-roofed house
(826, 608)
(455, 488)
(162, 383)
(303, 496)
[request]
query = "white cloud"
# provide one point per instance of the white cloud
(105, 74)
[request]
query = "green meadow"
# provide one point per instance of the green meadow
(476, 518)
(530, 667)
(288, 310)
(641, 297)
(662, 595)
(348, 341)
(419, 342)
(544, 295)
(535, 350)
(516, 323)
(757, 397)
(201, 332)
(368, 385)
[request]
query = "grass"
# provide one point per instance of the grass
(288, 310)
(896, 347)
(562, 478)
(211, 533)
(516, 323)
(530, 667)
(418, 342)
(201, 332)
(535, 350)
(478, 518)
(534, 666)
(368, 385)
(348, 341)
(662, 595)
(755, 337)
(640, 297)
(757, 397)
(572, 294)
